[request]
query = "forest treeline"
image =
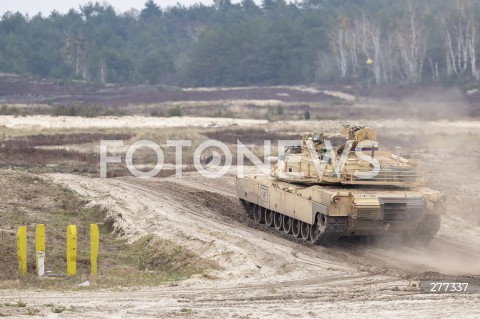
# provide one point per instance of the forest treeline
(225, 44)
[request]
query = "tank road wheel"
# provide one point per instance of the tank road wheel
(259, 214)
(305, 230)
(287, 224)
(269, 218)
(278, 220)
(296, 228)
(318, 228)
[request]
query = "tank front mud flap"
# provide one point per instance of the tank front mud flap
(326, 230)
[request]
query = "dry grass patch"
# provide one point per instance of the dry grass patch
(27, 199)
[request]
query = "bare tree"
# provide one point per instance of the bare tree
(472, 50)
(460, 38)
(435, 71)
(74, 53)
(103, 71)
(402, 52)
(389, 59)
(81, 56)
(339, 41)
(375, 37)
(67, 51)
(352, 39)
(412, 40)
(378, 46)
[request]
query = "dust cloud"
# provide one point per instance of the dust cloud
(445, 141)
(435, 104)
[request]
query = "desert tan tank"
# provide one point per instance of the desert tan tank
(320, 192)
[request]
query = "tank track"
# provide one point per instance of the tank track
(328, 234)
(333, 228)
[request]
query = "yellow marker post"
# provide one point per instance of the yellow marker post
(94, 245)
(39, 242)
(71, 250)
(22, 250)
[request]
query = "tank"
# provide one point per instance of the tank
(320, 191)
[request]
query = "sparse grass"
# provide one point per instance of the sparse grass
(18, 304)
(186, 310)
(38, 201)
(176, 111)
(335, 101)
(160, 136)
(20, 309)
(77, 152)
(157, 113)
(58, 309)
(92, 110)
(151, 253)
(10, 110)
(69, 139)
(26, 152)
(248, 136)
(32, 312)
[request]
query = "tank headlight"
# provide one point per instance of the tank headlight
(336, 199)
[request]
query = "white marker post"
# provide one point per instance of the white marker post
(41, 263)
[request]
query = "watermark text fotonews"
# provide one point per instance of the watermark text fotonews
(220, 157)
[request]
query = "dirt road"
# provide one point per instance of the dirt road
(265, 274)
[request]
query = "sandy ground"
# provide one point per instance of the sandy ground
(401, 126)
(60, 122)
(307, 89)
(265, 274)
(404, 126)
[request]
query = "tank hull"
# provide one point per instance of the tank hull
(347, 211)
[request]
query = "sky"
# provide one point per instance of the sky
(32, 7)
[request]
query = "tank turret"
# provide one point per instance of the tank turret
(357, 161)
